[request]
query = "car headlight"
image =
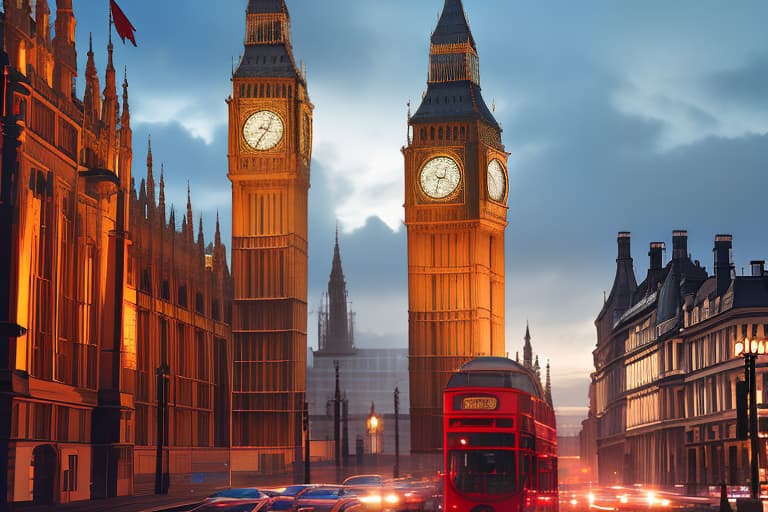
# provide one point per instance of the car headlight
(371, 499)
(391, 499)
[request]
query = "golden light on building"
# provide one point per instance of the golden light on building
(270, 141)
(455, 214)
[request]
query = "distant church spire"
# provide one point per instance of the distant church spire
(336, 334)
(537, 367)
(548, 387)
(527, 349)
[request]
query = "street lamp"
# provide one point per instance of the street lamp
(375, 427)
(750, 349)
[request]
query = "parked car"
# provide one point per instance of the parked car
(322, 498)
(234, 505)
(284, 497)
(237, 493)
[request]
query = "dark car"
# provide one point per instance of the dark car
(234, 505)
(284, 498)
(322, 498)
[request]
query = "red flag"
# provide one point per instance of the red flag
(122, 25)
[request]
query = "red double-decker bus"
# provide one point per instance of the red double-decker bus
(500, 440)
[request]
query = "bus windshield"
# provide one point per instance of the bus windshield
(483, 471)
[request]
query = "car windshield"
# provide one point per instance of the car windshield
(483, 471)
(293, 490)
(322, 493)
(364, 480)
(238, 493)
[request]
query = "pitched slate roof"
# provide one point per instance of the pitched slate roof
(266, 60)
(454, 101)
(266, 6)
(453, 26)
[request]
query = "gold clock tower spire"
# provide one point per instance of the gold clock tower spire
(270, 129)
(455, 214)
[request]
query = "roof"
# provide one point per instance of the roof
(266, 6)
(454, 101)
(750, 292)
(452, 26)
(266, 61)
(496, 372)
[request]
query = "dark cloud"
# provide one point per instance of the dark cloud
(745, 84)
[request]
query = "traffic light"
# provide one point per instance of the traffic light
(742, 421)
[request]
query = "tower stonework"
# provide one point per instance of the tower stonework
(455, 214)
(270, 129)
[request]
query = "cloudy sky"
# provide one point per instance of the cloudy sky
(641, 116)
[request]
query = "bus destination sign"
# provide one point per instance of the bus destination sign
(481, 403)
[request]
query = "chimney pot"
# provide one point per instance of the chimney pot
(723, 262)
(758, 268)
(623, 241)
(679, 244)
(656, 255)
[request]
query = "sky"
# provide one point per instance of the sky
(639, 116)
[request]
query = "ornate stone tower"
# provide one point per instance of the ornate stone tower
(335, 326)
(270, 141)
(455, 213)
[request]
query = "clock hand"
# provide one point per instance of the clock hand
(266, 131)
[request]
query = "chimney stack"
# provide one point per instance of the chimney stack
(656, 253)
(723, 262)
(623, 241)
(679, 244)
(758, 268)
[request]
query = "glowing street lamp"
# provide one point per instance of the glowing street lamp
(375, 427)
(750, 349)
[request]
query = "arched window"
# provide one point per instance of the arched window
(440, 133)
(432, 133)
(455, 132)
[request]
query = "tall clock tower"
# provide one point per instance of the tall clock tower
(455, 214)
(270, 141)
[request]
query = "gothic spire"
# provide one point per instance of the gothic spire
(339, 334)
(200, 237)
(65, 62)
(537, 367)
(190, 221)
(453, 27)
(150, 175)
(125, 119)
(91, 96)
(527, 348)
(548, 386)
(161, 200)
(217, 238)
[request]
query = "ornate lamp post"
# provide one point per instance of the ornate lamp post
(375, 426)
(750, 349)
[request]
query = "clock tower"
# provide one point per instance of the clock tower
(270, 141)
(455, 214)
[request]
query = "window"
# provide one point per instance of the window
(166, 290)
(70, 474)
(199, 303)
(182, 296)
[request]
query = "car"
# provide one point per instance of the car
(322, 498)
(237, 493)
(374, 492)
(234, 505)
(284, 497)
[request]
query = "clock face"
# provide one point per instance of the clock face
(497, 181)
(439, 177)
(263, 130)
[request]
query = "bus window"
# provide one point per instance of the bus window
(483, 471)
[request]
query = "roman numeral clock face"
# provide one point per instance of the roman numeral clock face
(263, 130)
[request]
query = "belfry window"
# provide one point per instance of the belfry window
(440, 133)
(431, 133)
